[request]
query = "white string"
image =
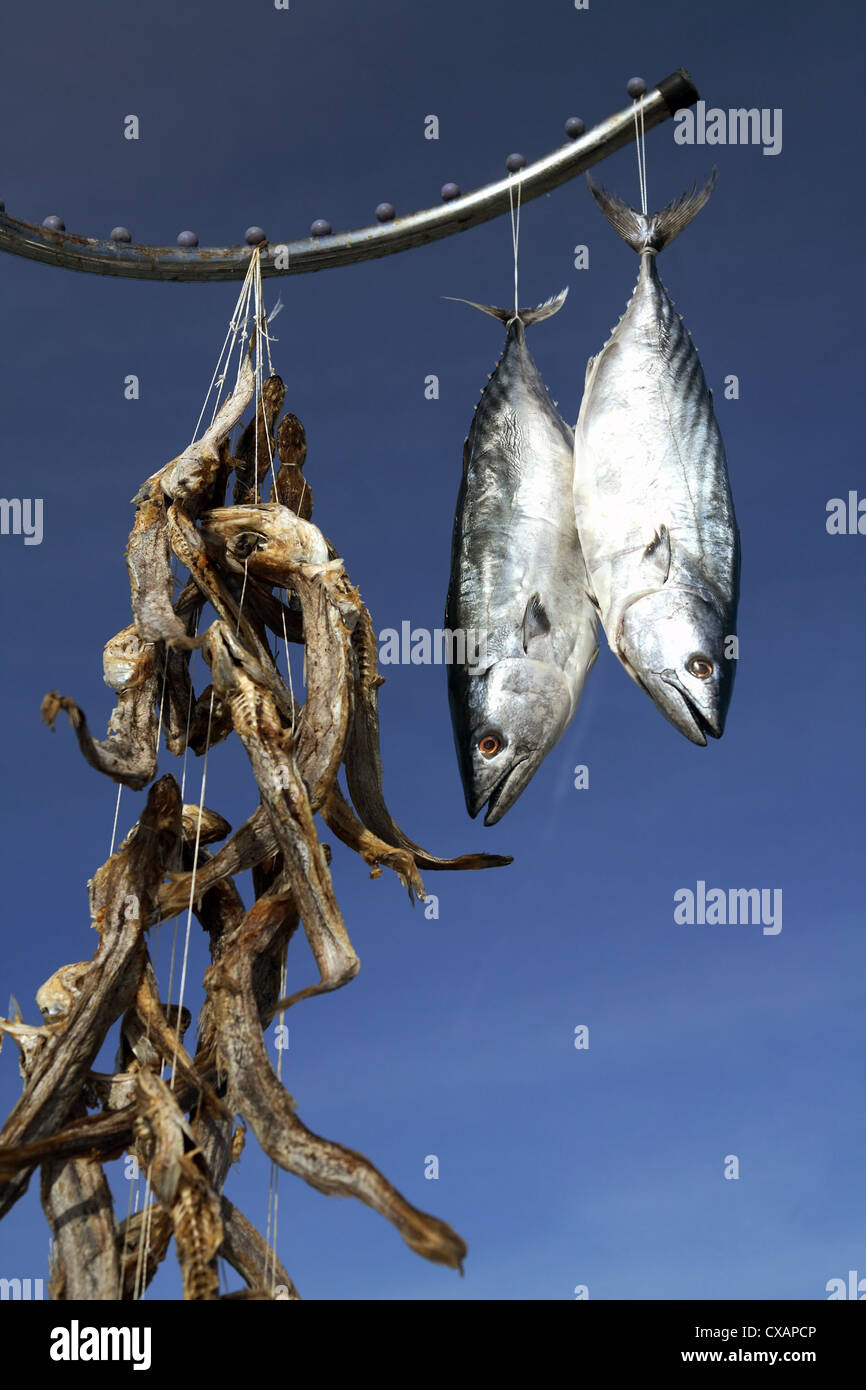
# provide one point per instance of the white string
(240, 319)
(139, 1286)
(231, 336)
(262, 322)
(126, 1237)
(243, 592)
(238, 329)
(137, 1183)
(515, 232)
(116, 813)
(643, 156)
(238, 324)
(640, 146)
(182, 794)
(192, 890)
(274, 1184)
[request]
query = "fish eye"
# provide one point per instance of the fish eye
(489, 745)
(700, 666)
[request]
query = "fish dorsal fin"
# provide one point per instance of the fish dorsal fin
(589, 366)
(657, 555)
(536, 623)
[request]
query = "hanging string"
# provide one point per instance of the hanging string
(237, 323)
(192, 890)
(640, 146)
(116, 813)
(251, 291)
(238, 328)
(249, 306)
(274, 1186)
(515, 231)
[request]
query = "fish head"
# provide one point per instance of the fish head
(673, 643)
(506, 720)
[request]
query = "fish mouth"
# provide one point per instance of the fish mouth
(693, 722)
(502, 797)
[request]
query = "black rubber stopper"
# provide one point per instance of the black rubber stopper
(678, 91)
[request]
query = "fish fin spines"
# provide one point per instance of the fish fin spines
(659, 552)
(527, 316)
(626, 221)
(668, 223)
(546, 310)
(652, 231)
(536, 623)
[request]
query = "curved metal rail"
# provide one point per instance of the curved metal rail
(367, 243)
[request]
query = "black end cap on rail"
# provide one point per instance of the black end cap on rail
(678, 91)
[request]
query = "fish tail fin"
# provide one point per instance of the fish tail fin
(527, 316)
(655, 230)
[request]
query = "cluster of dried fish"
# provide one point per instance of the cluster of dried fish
(240, 558)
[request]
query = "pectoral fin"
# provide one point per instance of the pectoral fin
(657, 556)
(536, 623)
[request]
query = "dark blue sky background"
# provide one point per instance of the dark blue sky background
(559, 1167)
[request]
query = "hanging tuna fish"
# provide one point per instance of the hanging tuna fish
(651, 494)
(518, 580)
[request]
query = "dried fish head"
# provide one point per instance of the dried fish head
(126, 660)
(269, 540)
(59, 993)
(208, 825)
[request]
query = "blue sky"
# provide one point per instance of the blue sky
(559, 1167)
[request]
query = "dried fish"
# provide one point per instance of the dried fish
(148, 562)
(167, 1146)
(76, 1199)
(188, 481)
(270, 1110)
(185, 1138)
(255, 452)
(252, 1257)
(339, 817)
(122, 896)
(143, 1240)
(238, 678)
(291, 487)
(364, 762)
(129, 753)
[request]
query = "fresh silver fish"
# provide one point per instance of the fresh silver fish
(651, 495)
(518, 591)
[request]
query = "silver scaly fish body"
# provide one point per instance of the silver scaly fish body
(518, 582)
(652, 499)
